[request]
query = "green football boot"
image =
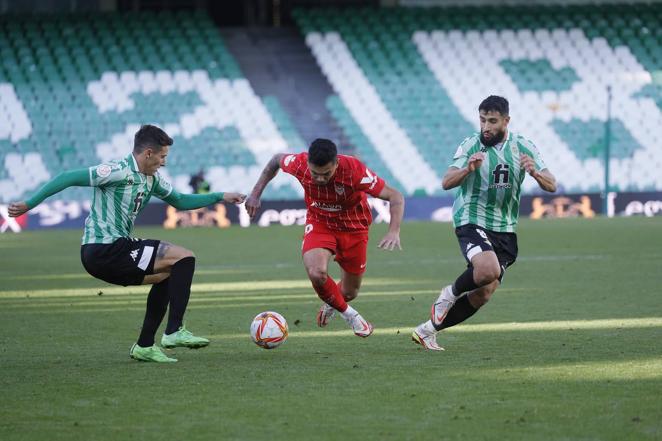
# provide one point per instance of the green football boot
(183, 338)
(152, 353)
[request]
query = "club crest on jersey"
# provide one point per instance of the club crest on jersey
(340, 190)
(103, 171)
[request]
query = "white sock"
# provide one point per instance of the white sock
(428, 326)
(349, 313)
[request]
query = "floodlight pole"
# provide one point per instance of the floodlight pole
(605, 197)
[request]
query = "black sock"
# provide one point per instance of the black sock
(460, 311)
(464, 283)
(181, 276)
(157, 304)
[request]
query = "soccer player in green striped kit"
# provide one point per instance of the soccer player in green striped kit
(489, 170)
(108, 252)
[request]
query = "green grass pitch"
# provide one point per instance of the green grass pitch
(569, 348)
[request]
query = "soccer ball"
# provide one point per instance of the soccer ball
(269, 330)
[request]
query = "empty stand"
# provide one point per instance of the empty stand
(431, 67)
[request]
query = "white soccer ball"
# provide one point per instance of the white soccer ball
(269, 330)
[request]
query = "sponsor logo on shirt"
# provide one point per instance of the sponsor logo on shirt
(326, 207)
(288, 159)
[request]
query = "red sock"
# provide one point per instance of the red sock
(330, 294)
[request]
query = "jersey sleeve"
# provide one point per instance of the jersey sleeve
(367, 180)
(461, 156)
(293, 163)
(528, 148)
(162, 188)
(107, 174)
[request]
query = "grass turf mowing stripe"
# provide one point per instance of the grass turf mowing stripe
(646, 322)
(196, 287)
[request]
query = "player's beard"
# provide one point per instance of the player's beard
(494, 140)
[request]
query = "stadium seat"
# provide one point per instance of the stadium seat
(430, 67)
(406, 83)
(74, 89)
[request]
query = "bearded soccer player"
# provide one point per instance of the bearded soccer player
(336, 189)
(108, 252)
(489, 170)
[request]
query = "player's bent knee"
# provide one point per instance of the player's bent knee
(187, 253)
(486, 275)
(179, 253)
(317, 276)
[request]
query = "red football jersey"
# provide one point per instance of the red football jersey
(342, 204)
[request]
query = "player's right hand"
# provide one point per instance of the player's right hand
(252, 205)
(475, 161)
(234, 198)
(16, 209)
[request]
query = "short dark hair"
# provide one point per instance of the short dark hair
(321, 152)
(150, 136)
(496, 103)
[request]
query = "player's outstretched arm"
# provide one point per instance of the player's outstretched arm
(192, 201)
(454, 176)
(270, 171)
(78, 177)
(397, 208)
(544, 178)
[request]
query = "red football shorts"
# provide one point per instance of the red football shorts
(349, 247)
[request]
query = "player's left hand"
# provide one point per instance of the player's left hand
(528, 164)
(390, 241)
(16, 209)
(234, 198)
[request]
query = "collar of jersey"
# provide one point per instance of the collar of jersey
(132, 163)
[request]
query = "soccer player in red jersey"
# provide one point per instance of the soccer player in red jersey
(336, 189)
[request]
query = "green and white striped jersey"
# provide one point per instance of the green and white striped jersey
(120, 194)
(490, 196)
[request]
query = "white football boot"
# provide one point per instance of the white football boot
(325, 314)
(426, 336)
(442, 305)
(360, 326)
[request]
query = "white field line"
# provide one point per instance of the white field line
(632, 323)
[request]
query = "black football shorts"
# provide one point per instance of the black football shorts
(124, 262)
(474, 239)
